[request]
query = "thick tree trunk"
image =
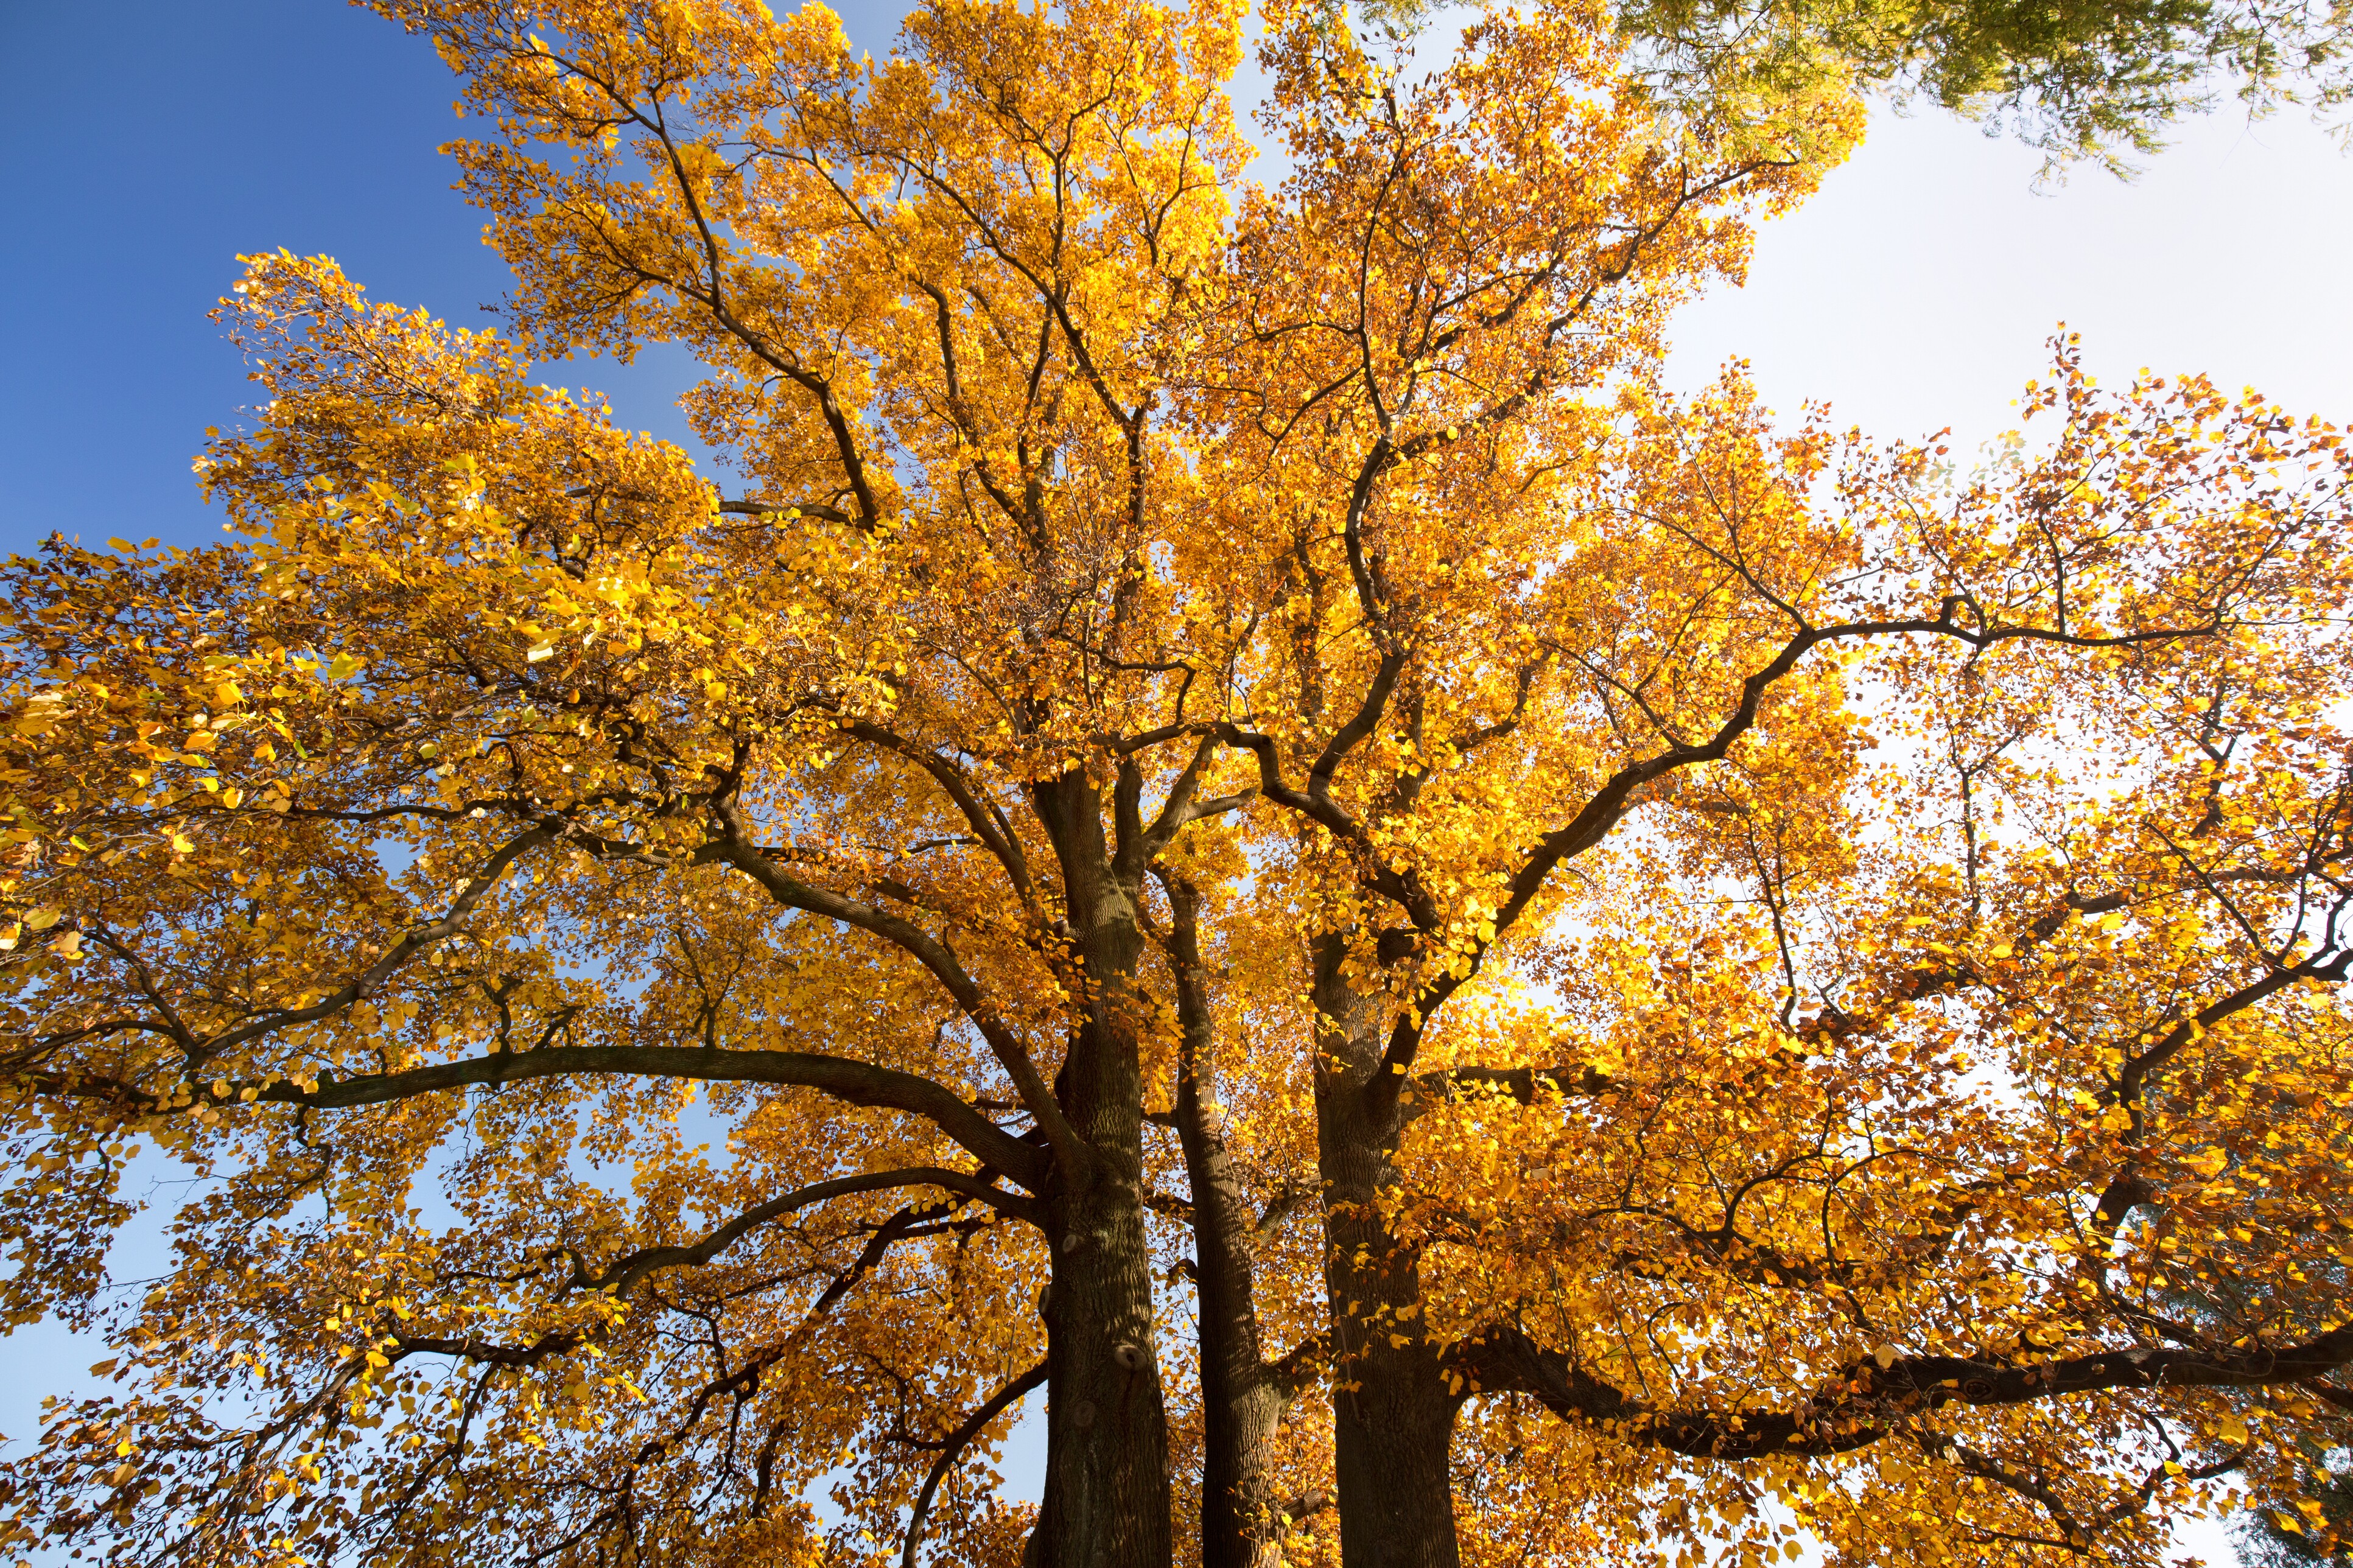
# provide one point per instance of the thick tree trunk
(1393, 1415)
(1107, 1494)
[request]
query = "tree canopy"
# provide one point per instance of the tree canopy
(1233, 816)
(2085, 80)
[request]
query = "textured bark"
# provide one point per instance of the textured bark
(1243, 1402)
(1107, 1495)
(1243, 1399)
(1392, 1418)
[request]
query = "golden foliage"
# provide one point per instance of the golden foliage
(1245, 809)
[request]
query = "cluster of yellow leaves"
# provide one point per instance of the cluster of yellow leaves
(1240, 747)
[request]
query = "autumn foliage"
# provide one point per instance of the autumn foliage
(1232, 816)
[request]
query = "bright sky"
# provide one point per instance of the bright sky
(155, 142)
(147, 142)
(1918, 289)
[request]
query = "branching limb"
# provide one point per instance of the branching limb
(1602, 811)
(957, 1441)
(625, 1274)
(850, 1081)
(1862, 1407)
(738, 849)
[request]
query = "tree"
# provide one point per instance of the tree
(2275, 1538)
(2085, 81)
(1644, 979)
(2094, 81)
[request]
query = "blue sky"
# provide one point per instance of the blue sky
(145, 144)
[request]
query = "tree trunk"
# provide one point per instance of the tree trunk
(1242, 1399)
(1243, 1404)
(1393, 1416)
(1107, 1494)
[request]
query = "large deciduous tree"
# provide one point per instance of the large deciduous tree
(1233, 817)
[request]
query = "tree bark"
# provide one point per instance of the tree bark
(1393, 1416)
(1243, 1402)
(1107, 1495)
(1106, 1499)
(1243, 1399)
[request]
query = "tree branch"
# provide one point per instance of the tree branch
(625, 1275)
(957, 1441)
(1863, 1407)
(843, 1077)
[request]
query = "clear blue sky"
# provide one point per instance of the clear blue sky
(146, 145)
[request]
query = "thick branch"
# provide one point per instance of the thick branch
(853, 1082)
(1607, 804)
(934, 955)
(1862, 1408)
